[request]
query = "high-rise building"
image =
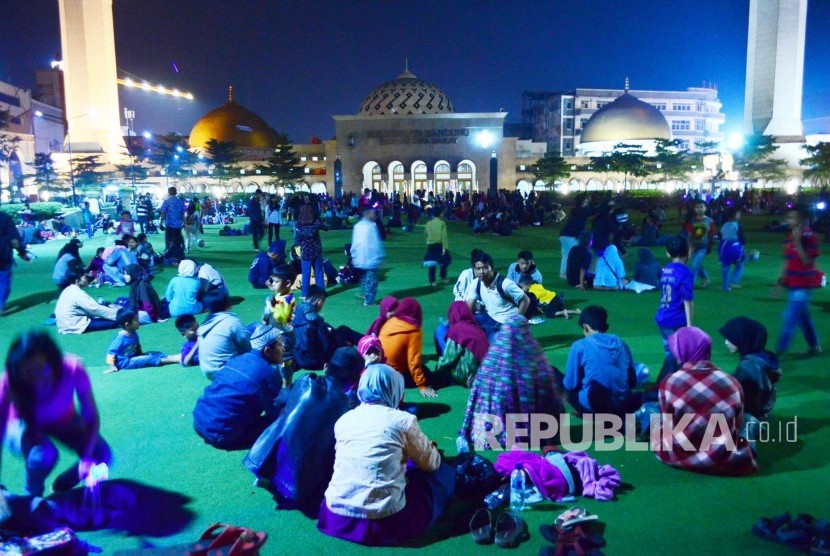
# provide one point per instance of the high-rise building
(557, 118)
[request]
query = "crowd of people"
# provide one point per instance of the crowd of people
(380, 479)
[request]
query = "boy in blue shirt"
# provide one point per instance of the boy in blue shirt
(187, 325)
(677, 298)
(125, 350)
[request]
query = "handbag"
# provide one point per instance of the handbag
(475, 476)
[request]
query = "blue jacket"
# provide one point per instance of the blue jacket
(260, 270)
(603, 359)
(313, 344)
(238, 401)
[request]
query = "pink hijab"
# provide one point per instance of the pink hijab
(387, 304)
(465, 332)
(690, 345)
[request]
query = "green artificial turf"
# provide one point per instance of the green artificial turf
(146, 414)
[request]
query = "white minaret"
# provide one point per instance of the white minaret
(88, 49)
(775, 69)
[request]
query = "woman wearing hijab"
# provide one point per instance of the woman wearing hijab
(387, 308)
(514, 377)
(758, 370)
(183, 291)
(143, 298)
(466, 345)
(710, 442)
(389, 485)
(68, 265)
(402, 339)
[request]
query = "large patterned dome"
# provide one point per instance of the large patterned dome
(406, 96)
(626, 119)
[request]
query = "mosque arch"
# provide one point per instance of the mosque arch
(442, 176)
(420, 175)
(466, 174)
(372, 176)
(524, 187)
(397, 178)
(318, 188)
(540, 185)
(594, 184)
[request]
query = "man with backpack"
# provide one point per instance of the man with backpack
(9, 241)
(495, 297)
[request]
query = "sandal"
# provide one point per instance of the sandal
(481, 526)
(573, 516)
(797, 532)
(511, 530)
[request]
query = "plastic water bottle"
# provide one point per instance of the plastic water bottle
(517, 489)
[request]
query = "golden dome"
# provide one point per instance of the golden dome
(626, 119)
(232, 122)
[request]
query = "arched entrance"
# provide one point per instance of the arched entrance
(318, 188)
(372, 176)
(524, 187)
(419, 175)
(397, 178)
(442, 176)
(467, 176)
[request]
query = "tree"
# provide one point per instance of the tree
(670, 161)
(756, 161)
(551, 168)
(45, 176)
(624, 159)
(818, 163)
(8, 143)
(223, 157)
(284, 165)
(89, 173)
(171, 153)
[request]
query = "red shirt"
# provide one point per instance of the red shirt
(796, 273)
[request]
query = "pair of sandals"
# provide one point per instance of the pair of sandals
(803, 533)
(508, 531)
(570, 535)
(226, 540)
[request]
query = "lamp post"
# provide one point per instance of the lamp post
(129, 115)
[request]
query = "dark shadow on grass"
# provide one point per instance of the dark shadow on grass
(558, 340)
(454, 522)
(823, 306)
(429, 410)
(29, 301)
(236, 300)
(416, 292)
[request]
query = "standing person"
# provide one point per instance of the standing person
(148, 205)
(172, 220)
(273, 217)
(89, 222)
(45, 395)
(367, 253)
(438, 254)
(800, 276)
(676, 308)
(700, 230)
(141, 214)
(255, 218)
(307, 236)
(731, 249)
(10, 240)
(192, 225)
(574, 226)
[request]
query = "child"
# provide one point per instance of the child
(264, 264)
(126, 226)
(579, 263)
(144, 252)
(125, 350)
(544, 302)
(647, 269)
(524, 266)
(731, 249)
(187, 325)
(371, 349)
(279, 307)
(96, 269)
(314, 339)
(45, 395)
(699, 230)
(677, 298)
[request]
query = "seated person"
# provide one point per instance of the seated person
(648, 269)
(314, 339)
(76, 312)
(302, 437)
(544, 302)
(96, 268)
(600, 373)
(145, 253)
(281, 303)
(118, 259)
(68, 264)
(125, 350)
(182, 292)
(265, 263)
(465, 345)
(143, 299)
(610, 270)
(649, 233)
(189, 329)
(577, 269)
(700, 389)
(210, 278)
(514, 377)
(466, 277)
(388, 485)
(402, 339)
(524, 266)
(238, 405)
(758, 371)
(222, 335)
(386, 310)
(499, 298)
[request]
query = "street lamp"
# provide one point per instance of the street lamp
(129, 115)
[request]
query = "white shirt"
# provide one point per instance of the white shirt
(273, 216)
(211, 275)
(76, 308)
(464, 279)
(373, 443)
(499, 309)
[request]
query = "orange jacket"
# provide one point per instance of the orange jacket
(402, 345)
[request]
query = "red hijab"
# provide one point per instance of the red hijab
(465, 332)
(409, 310)
(387, 304)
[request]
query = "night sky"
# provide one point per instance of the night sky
(298, 63)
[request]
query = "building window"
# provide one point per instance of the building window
(567, 145)
(585, 104)
(325, 158)
(661, 106)
(682, 107)
(315, 158)
(681, 125)
(601, 104)
(699, 125)
(568, 105)
(683, 145)
(303, 158)
(569, 124)
(521, 167)
(701, 107)
(307, 170)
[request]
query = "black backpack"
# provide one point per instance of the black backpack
(499, 288)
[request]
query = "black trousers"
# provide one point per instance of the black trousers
(435, 252)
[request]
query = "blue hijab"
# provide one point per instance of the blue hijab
(381, 384)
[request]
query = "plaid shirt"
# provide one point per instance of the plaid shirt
(702, 390)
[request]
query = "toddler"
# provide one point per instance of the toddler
(125, 350)
(187, 325)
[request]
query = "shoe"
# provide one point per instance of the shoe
(814, 350)
(536, 320)
(511, 530)
(481, 527)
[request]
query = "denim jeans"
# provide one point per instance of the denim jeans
(736, 276)
(489, 325)
(669, 362)
(149, 359)
(567, 243)
(797, 314)
(697, 265)
(90, 230)
(370, 285)
(5, 287)
(319, 277)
